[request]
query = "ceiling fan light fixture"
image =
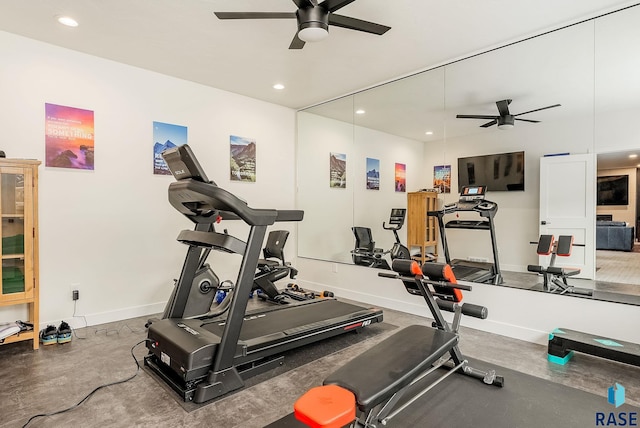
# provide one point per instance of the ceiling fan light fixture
(505, 122)
(313, 33)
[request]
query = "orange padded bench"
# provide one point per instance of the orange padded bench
(555, 277)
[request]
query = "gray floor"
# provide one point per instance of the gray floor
(621, 267)
(58, 376)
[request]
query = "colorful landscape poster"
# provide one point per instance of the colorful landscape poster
(442, 178)
(68, 137)
(243, 159)
(166, 136)
(401, 177)
(338, 170)
(373, 174)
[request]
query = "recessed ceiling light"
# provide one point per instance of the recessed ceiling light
(633, 156)
(360, 111)
(67, 20)
(278, 86)
(429, 132)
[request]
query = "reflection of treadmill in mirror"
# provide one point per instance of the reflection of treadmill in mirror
(472, 198)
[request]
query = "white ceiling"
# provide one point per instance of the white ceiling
(184, 39)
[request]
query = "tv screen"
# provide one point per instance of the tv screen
(613, 190)
(499, 172)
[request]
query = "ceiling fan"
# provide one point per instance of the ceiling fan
(313, 20)
(505, 120)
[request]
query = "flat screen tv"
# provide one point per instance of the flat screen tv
(499, 172)
(613, 190)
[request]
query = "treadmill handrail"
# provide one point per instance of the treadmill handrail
(203, 202)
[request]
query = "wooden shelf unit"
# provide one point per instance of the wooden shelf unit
(19, 231)
(422, 230)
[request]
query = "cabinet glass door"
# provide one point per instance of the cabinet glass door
(13, 232)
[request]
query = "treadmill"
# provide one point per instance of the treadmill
(203, 358)
(472, 199)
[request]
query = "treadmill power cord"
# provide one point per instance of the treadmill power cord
(107, 331)
(94, 391)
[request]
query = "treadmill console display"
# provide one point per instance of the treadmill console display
(397, 215)
(472, 193)
(183, 164)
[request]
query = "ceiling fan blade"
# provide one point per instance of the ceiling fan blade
(296, 43)
(488, 124)
(255, 15)
(357, 24)
(475, 116)
(538, 109)
(503, 107)
(305, 3)
(333, 5)
(528, 120)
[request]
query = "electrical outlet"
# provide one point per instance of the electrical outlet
(74, 290)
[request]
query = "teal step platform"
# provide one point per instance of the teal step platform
(563, 342)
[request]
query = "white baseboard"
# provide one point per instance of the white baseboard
(105, 317)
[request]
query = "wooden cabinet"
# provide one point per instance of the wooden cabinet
(19, 230)
(422, 230)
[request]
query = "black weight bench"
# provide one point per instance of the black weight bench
(377, 374)
(555, 277)
(371, 386)
(563, 342)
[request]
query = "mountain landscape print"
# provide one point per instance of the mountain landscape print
(373, 174)
(243, 159)
(338, 170)
(166, 136)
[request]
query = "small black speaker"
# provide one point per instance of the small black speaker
(2, 155)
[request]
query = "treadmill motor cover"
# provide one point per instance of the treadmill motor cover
(181, 345)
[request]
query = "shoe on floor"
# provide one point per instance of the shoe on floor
(64, 333)
(49, 335)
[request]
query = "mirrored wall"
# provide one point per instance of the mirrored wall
(591, 69)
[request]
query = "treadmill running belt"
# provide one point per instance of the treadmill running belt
(462, 272)
(292, 319)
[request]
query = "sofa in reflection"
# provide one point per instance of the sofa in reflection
(614, 235)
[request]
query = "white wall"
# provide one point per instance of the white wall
(111, 232)
(331, 212)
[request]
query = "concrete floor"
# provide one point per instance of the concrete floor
(59, 376)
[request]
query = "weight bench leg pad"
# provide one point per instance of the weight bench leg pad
(328, 406)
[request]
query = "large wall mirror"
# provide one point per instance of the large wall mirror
(591, 69)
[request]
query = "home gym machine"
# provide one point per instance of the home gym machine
(396, 221)
(365, 252)
(555, 277)
(273, 267)
(472, 199)
(203, 358)
(381, 382)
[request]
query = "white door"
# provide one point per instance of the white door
(568, 206)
